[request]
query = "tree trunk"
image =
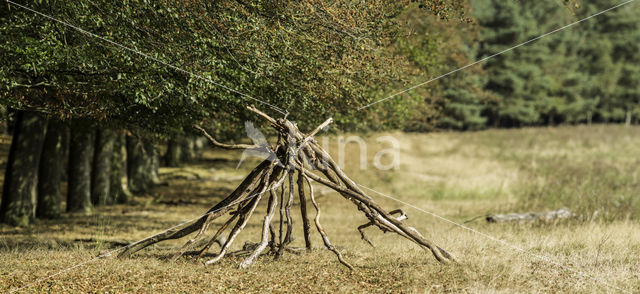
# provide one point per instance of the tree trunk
(188, 149)
(627, 120)
(200, 144)
(181, 149)
(153, 162)
(3, 119)
(119, 189)
(50, 171)
(139, 164)
(11, 120)
(21, 176)
(173, 157)
(101, 171)
(80, 159)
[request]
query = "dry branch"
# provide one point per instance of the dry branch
(288, 237)
(306, 227)
(246, 213)
(361, 228)
(222, 145)
(273, 202)
(325, 238)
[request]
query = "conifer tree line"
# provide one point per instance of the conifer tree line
(584, 74)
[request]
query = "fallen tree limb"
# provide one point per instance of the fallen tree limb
(527, 217)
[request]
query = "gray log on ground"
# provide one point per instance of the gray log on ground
(527, 217)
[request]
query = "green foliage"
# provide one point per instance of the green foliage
(312, 58)
(434, 47)
(612, 58)
(520, 80)
(317, 59)
(576, 75)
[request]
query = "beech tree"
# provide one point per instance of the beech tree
(4, 118)
(101, 178)
(80, 159)
(119, 185)
(18, 205)
(51, 169)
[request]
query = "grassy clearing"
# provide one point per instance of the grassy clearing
(456, 175)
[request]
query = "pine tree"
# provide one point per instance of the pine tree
(611, 56)
(518, 78)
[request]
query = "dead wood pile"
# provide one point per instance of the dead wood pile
(295, 161)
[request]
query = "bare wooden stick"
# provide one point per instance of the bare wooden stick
(216, 236)
(273, 202)
(383, 217)
(305, 139)
(238, 195)
(325, 238)
(222, 145)
(288, 238)
(265, 116)
(529, 217)
(243, 219)
(336, 168)
(303, 211)
(272, 233)
(317, 129)
(361, 228)
(280, 231)
(190, 242)
(272, 238)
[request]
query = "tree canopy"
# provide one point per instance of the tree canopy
(163, 64)
(191, 60)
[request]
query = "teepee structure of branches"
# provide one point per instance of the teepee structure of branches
(298, 160)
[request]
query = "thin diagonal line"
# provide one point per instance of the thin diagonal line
(190, 73)
(505, 243)
(118, 249)
(494, 55)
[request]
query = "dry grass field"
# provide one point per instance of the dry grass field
(591, 170)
